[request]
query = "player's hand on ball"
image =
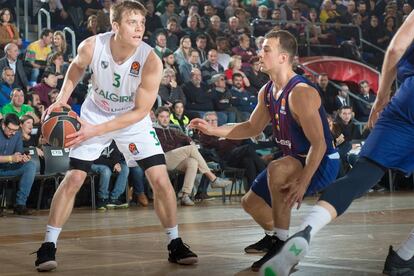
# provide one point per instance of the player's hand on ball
(86, 131)
(56, 105)
(201, 125)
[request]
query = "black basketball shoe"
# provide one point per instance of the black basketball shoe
(396, 266)
(46, 257)
(277, 244)
(180, 253)
(261, 246)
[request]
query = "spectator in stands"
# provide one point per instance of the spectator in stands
(169, 12)
(181, 154)
(30, 135)
(201, 47)
(198, 99)
(193, 28)
(343, 98)
(13, 161)
(59, 18)
(373, 33)
(256, 77)
(214, 30)
(89, 7)
(49, 82)
(231, 8)
(211, 66)
(388, 31)
(328, 92)
(263, 12)
(160, 44)
(17, 106)
(111, 160)
(235, 66)
(363, 109)
(233, 31)
(10, 60)
(407, 8)
(183, 52)
(53, 94)
(8, 31)
(327, 11)
(242, 99)
(56, 65)
(33, 100)
(169, 90)
(232, 152)
(137, 177)
(362, 10)
(244, 50)
(59, 45)
(222, 98)
(103, 20)
(297, 27)
(209, 12)
(6, 85)
(193, 62)
(172, 34)
(37, 53)
(344, 131)
(223, 58)
(152, 20)
(91, 27)
(350, 10)
(286, 9)
(169, 62)
(178, 117)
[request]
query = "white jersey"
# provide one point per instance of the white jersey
(114, 86)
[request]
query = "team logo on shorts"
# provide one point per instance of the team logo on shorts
(135, 66)
(133, 149)
(104, 64)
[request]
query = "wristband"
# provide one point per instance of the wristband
(10, 159)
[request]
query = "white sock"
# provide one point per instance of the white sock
(317, 219)
(282, 234)
(269, 232)
(52, 234)
(172, 233)
(406, 250)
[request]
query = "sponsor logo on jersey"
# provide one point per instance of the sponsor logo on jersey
(104, 64)
(284, 142)
(133, 148)
(113, 97)
(134, 71)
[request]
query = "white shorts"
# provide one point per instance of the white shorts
(136, 142)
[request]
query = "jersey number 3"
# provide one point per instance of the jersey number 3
(117, 80)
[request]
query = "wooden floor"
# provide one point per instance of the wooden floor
(131, 242)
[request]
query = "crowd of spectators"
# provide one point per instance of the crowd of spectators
(211, 68)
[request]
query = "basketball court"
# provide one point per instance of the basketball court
(132, 242)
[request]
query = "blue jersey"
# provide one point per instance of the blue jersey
(391, 142)
(287, 132)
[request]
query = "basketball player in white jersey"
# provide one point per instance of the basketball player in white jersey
(125, 80)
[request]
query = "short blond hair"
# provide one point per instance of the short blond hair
(129, 6)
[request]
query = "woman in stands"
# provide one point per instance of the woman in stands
(30, 135)
(8, 31)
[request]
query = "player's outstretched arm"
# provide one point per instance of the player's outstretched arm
(398, 45)
(251, 128)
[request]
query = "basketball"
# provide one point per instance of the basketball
(56, 128)
(62, 111)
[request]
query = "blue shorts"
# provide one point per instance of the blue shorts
(391, 142)
(325, 175)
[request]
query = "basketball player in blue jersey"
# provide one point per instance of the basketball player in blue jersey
(390, 145)
(309, 163)
(125, 80)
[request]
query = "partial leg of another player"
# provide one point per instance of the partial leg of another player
(165, 205)
(334, 201)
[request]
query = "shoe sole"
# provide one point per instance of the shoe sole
(255, 251)
(290, 255)
(186, 261)
(47, 266)
(123, 206)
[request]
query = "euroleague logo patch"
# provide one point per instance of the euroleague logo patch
(134, 71)
(133, 148)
